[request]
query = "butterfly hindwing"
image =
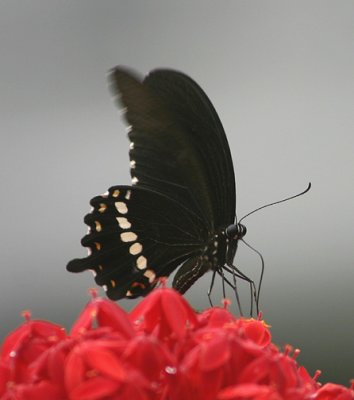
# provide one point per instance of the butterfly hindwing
(134, 237)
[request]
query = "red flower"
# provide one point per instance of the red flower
(165, 313)
(23, 347)
(162, 350)
(331, 391)
(249, 391)
(104, 313)
(35, 391)
(20, 353)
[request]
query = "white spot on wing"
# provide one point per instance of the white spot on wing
(123, 223)
(135, 180)
(150, 274)
(135, 248)
(131, 146)
(128, 236)
(141, 262)
(128, 194)
(102, 208)
(123, 110)
(121, 207)
(132, 164)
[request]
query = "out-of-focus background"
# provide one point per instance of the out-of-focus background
(280, 74)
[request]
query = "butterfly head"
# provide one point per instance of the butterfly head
(235, 231)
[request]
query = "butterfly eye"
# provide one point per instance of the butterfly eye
(235, 231)
(232, 231)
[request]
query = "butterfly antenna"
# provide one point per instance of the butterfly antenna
(277, 202)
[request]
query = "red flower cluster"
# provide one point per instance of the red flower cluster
(162, 350)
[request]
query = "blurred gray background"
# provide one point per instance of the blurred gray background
(281, 75)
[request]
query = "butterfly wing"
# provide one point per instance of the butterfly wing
(136, 235)
(184, 188)
(178, 144)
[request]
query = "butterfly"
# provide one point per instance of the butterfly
(179, 211)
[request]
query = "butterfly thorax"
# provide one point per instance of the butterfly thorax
(222, 247)
(230, 236)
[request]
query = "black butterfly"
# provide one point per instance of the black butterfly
(180, 209)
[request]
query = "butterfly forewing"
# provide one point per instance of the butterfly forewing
(178, 143)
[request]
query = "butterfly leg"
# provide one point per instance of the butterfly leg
(237, 273)
(234, 288)
(262, 272)
(211, 288)
(224, 279)
(221, 273)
